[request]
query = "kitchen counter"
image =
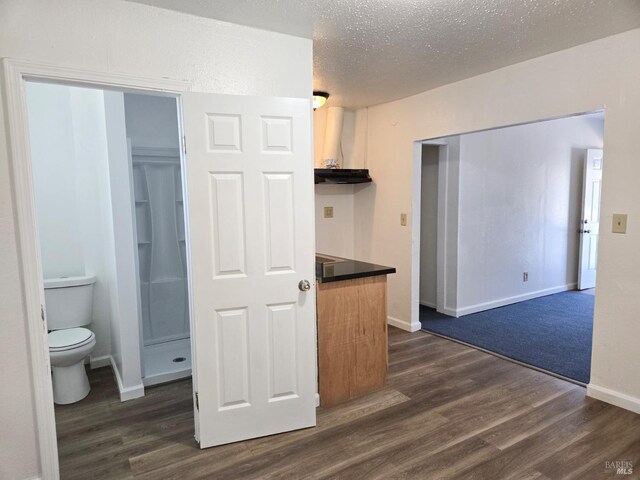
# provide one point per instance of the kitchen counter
(352, 328)
(334, 269)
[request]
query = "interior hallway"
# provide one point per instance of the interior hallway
(449, 411)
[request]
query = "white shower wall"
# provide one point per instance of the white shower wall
(161, 246)
(152, 126)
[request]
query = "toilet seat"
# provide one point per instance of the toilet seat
(69, 338)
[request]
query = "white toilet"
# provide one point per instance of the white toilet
(69, 304)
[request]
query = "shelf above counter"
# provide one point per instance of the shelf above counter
(341, 176)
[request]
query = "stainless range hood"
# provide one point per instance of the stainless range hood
(341, 175)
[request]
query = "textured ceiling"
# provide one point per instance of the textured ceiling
(373, 51)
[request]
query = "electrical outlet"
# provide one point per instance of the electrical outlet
(328, 212)
(403, 219)
(619, 223)
(525, 276)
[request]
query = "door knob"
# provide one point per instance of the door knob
(304, 285)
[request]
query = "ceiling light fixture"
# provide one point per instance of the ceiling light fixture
(319, 99)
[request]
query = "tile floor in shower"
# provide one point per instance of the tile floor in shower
(159, 364)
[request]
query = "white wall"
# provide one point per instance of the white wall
(335, 236)
(123, 268)
(429, 226)
(69, 158)
(596, 75)
(123, 37)
(520, 208)
(55, 180)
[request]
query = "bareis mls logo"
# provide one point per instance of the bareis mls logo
(620, 467)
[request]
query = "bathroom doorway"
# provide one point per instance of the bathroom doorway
(107, 174)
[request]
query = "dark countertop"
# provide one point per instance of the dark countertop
(334, 269)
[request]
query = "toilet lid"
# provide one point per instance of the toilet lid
(68, 338)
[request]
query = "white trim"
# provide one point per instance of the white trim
(99, 362)
(481, 307)
(317, 400)
(403, 324)
(21, 180)
(128, 393)
(31, 268)
(614, 397)
(427, 304)
(449, 311)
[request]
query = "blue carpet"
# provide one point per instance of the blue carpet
(552, 332)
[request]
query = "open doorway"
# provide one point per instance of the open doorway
(517, 204)
(110, 217)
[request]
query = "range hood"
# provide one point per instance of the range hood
(341, 175)
(332, 173)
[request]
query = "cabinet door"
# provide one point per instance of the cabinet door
(352, 338)
(370, 362)
(337, 325)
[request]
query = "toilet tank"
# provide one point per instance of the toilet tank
(68, 301)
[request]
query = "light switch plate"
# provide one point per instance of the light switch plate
(403, 219)
(328, 212)
(619, 224)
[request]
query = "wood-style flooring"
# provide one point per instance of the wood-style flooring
(448, 411)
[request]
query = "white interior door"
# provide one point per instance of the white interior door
(249, 175)
(590, 223)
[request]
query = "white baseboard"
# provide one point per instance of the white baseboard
(99, 362)
(452, 312)
(614, 397)
(317, 400)
(427, 304)
(481, 307)
(404, 325)
(128, 393)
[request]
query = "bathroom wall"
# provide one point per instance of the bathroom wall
(82, 186)
(69, 164)
(125, 324)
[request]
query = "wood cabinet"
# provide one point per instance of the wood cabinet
(352, 338)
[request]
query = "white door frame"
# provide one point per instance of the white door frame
(16, 73)
(447, 217)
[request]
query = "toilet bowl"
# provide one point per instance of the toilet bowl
(69, 304)
(68, 349)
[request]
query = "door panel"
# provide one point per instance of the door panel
(250, 202)
(590, 223)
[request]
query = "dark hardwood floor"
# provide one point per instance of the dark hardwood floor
(448, 411)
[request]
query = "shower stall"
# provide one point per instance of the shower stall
(160, 231)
